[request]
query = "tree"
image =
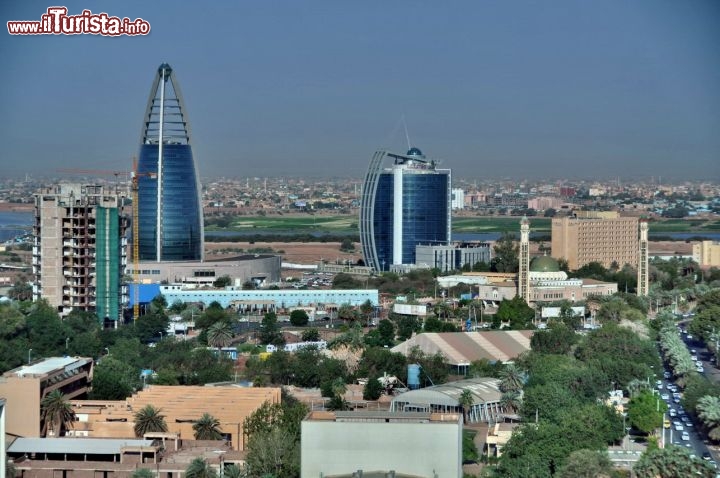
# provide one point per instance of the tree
(148, 420)
(273, 453)
(557, 339)
(646, 412)
(222, 282)
(511, 401)
(386, 330)
(671, 462)
(143, 473)
(345, 281)
(274, 438)
(466, 401)
(516, 312)
(299, 318)
(511, 378)
(311, 335)
(270, 330)
(708, 409)
(56, 414)
(367, 309)
(406, 326)
(200, 468)
(220, 334)
(587, 464)
(207, 428)
(347, 245)
(347, 312)
(506, 254)
(373, 389)
(114, 380)
(234, 471)
(21, 290)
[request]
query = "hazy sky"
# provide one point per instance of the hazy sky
(558, 88)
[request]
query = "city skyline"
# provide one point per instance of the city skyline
(495, 89)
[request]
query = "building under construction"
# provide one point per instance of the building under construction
(79, 249)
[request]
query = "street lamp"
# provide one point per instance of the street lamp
(625, 430)
(161, 334)
(107, 351)
(67, 339)
(29, 356)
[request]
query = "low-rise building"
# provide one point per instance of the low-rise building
(250, 300)
(181, 406)
(445, 398)
(24, 388)
(420, 445)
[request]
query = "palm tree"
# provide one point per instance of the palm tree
(10, 470)
(466, 401)
(220, 334)
(338, 387)
(143, 473)
(148, 420)
(56, 414)
(200, 468)
(671, 462)
(510, 401)
(708, 408)
(207, 428)
(233, 471)
(511, 378)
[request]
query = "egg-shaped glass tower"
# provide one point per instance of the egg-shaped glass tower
(170, 225)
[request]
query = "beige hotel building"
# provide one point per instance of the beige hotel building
(596, 236)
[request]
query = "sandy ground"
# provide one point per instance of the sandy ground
(296, 252)
(312, 252)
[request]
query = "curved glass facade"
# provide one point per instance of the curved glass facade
(424, 202)
(167, 178)
(181, 219)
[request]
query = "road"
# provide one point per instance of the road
(712, 373)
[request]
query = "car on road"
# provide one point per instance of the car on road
(700, 369)
(685, 437)
(706, 456)
(679, 427)
(665, 396)
(672, 412)
(666, 374)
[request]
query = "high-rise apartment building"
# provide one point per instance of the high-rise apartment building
(170, 210)
(79, 249)
(707, 253)
(403, 206)
(605, 238)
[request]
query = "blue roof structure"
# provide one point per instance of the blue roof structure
(146, 293)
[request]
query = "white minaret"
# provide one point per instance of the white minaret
(643, 278)
(524, 274)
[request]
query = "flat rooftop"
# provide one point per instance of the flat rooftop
(48, 365)
(89, 446)
(381, 416)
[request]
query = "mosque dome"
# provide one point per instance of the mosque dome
(414, 152)
(544, 264)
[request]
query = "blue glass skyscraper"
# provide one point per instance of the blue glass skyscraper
(401, 207)
(169, 207)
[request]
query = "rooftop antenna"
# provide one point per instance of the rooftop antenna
(407, 136)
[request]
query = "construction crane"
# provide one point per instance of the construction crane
(135, 187)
